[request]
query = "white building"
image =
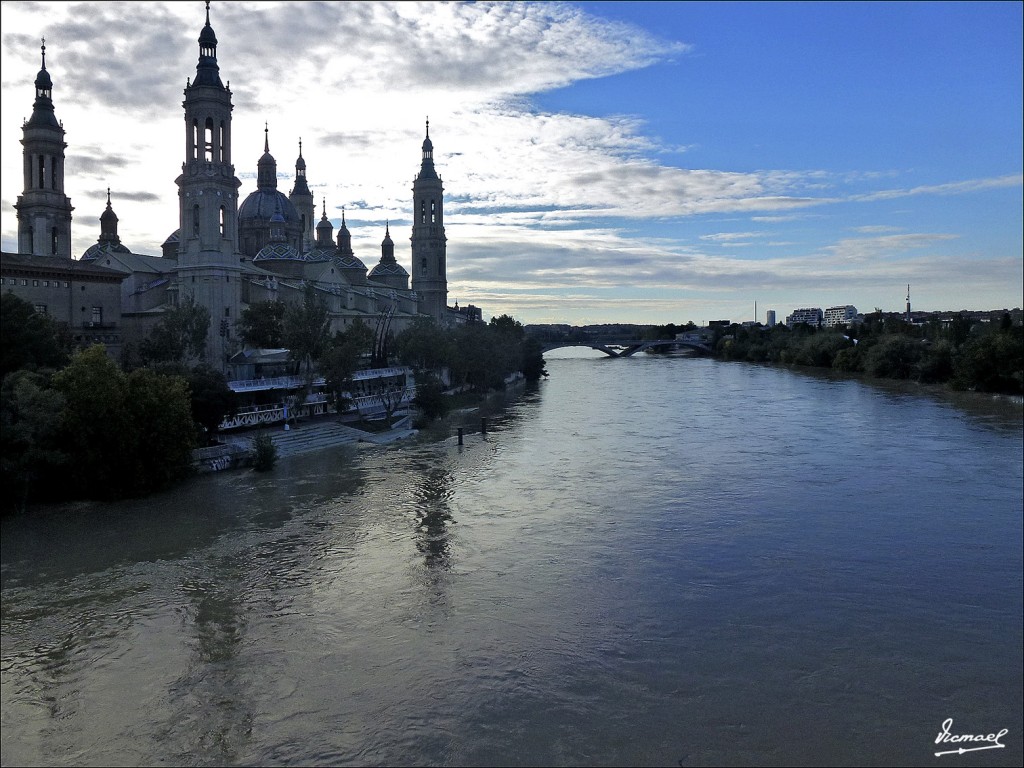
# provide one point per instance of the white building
(812, 316)
(840, 315)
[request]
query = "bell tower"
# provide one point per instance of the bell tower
(429, 279)
(208, 255)
(44, 211)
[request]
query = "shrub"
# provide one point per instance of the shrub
(264, 452)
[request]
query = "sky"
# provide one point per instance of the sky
(603, 162)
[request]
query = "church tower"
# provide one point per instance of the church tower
(208, 256)
(302, 199)
(44, 211)
(429, 279)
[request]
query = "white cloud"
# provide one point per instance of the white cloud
(544, 201)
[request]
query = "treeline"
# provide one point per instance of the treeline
(76, 425)
(985, 357)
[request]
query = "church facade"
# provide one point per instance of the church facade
(230, 251)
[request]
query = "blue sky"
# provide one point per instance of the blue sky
(603, 162)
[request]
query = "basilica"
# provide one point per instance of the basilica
(229, 252)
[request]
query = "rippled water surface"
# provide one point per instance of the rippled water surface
(646, 561)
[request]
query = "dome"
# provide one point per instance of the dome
(386, 269)
(261, 204)
(277, 251)
(349, 262)
(43, 81)
(174, 238)
(207, 38)
(320, 253)
(97, 250)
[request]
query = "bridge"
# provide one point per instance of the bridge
(627, 347)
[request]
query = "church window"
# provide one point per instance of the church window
(223, 222)
(97, 315)
(433, 212)
(42, 171)
(195, 219)
(195, 139)
(208, 140)
(227, 311)
(220, 143)
(53, 241)
(423, 212)
(423, 265)
(53, 174)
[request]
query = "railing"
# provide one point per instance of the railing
(294, 382)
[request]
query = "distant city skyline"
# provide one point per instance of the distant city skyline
(603, 162)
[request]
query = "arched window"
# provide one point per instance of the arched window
(195, 220)
(53, 241)
(194, 148)
(423, 212)
(42, 171)
(208, 140)
(223, 222)
(53, 173)
(220, 144)
(433, 212)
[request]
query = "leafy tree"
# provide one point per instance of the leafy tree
(425, 346)
(179, 336)
(262, 324)
(343, 358)
(993, 362)
(95, 426)
(893, 357)
(161, 436)
(532, 364)
(125, 435)
(264, 452)
(307, 331)
(30, 417)
(211, 399)
(28, 339)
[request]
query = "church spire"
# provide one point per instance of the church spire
(207, 71)
(42, 109)
(427, 165)
(266, 169)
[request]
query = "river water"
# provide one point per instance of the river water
(664, 561)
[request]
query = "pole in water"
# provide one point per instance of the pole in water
(460, 435)
(483, 426)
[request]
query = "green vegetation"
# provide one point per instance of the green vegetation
(478, 356)
(264, 452)
(984, 358)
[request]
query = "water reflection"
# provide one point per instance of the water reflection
(212, 717)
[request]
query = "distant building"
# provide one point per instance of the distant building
(229, 253)
(812, 316)
(840, 315)
(770, 318)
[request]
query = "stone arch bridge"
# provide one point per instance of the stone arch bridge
(628, 347)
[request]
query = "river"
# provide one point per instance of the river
(648, 561)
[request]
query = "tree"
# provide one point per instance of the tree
(307, 331)
(28, 339)
(262, 324)
(161, 435)
(124, 435)
(30, 417)
(179, 336)
(211, 399)
(343, 357)
(94, 425)
(425, 346)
